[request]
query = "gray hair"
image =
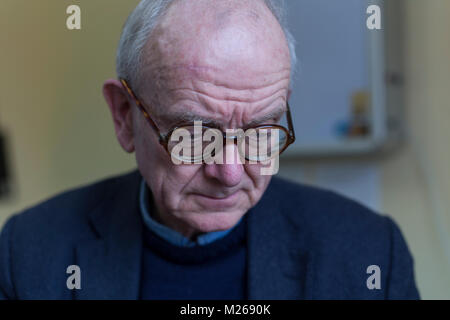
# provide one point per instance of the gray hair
(144, 19)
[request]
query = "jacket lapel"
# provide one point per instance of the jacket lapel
(279, 263)
(111, 263)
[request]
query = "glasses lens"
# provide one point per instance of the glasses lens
(263, 144)
(191, 144)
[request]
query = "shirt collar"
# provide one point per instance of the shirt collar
(168, 234)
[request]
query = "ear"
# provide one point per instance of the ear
(121, 110)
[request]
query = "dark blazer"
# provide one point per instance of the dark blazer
(303, 243)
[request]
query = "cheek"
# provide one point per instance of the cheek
(259, 181)
(149, 153)
(170, 185)
(254, 172)
(177, 178)
(165, 179)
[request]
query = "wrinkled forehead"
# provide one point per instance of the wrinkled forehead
(231, 43)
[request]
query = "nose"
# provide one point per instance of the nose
(230, 172)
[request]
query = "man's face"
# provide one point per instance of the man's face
(227, 68)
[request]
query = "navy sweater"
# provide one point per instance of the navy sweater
(213, 271)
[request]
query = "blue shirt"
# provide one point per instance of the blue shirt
(168, 234)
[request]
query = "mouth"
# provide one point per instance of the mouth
(217, 200)
(219, 197)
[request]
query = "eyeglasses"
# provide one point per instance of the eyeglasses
(252, 144)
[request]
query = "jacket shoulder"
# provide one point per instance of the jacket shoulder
(43, 238)
(347, 239)
(326, 211)
(66, 212)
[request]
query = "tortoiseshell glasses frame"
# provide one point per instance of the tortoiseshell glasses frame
(165, 138)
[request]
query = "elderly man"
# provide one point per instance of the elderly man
(196, 229)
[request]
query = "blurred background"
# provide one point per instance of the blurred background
(56, 131)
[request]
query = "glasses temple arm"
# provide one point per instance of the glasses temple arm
(290, 124)
(162, 138)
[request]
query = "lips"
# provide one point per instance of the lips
(216, 197)
(221, 200)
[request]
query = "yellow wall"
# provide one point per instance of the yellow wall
(51, 105)
(416, 181)
(61, 133)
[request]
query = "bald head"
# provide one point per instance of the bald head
(239, 39)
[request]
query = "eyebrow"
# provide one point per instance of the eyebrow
(274, 114)
(188, 117)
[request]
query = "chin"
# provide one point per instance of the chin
(217, 221)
